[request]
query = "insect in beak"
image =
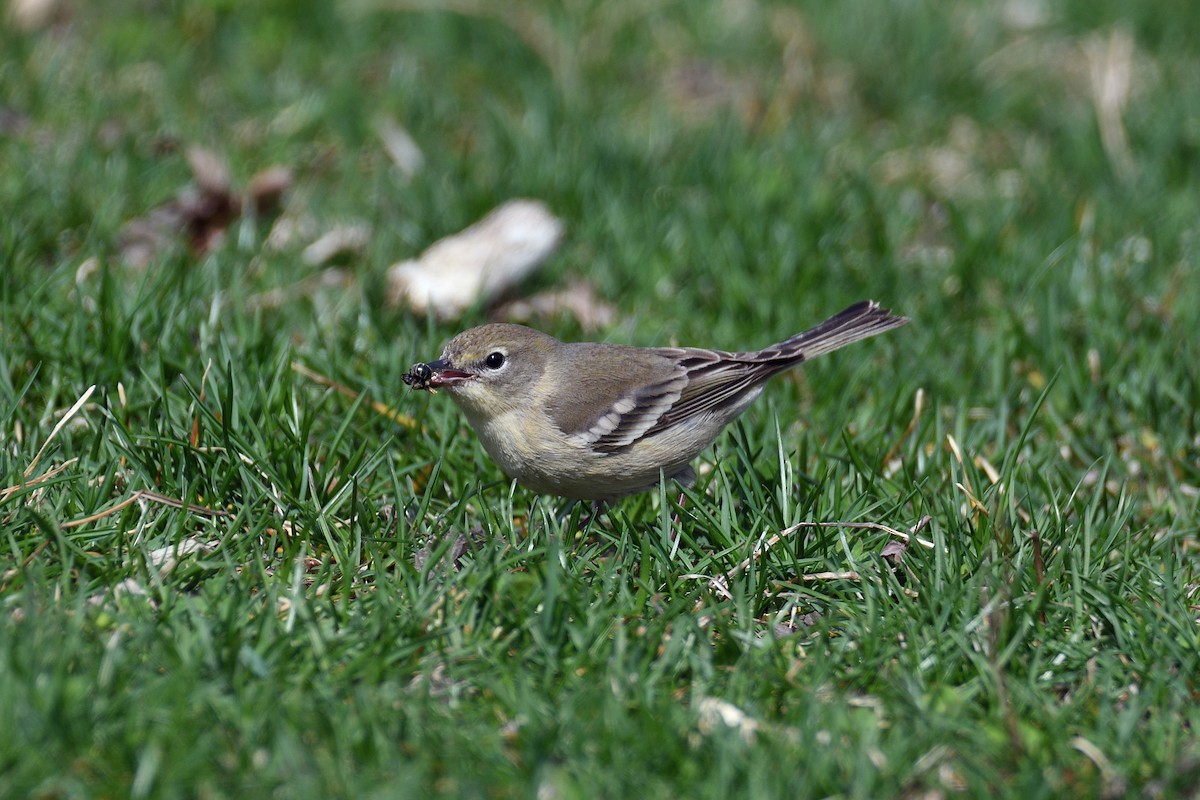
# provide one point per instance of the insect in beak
(418, 377)
(434, 375)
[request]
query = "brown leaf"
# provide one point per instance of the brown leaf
(578, 300)
(894, 550)
(200, 212)
(452, 558)
(797, 624)
(209, 170)
(341, 240)
(265, 192)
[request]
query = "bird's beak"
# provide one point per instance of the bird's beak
(445, 375)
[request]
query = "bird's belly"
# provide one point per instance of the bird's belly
(547, 462)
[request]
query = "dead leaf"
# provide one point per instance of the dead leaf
(894, 550)
(342, 240)
(715, 714)
(400, 146)
(1110, 69)
(33, 15)
(165, 559)
(264, 193)
(201, 212)
(478, 264)
(578, 301)
(797, 623)
(209, 170)
(452, 558)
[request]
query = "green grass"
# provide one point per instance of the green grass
(728, 174)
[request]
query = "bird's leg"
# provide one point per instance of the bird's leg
(598, 508)
(686, 477)
(675, 527)
(590, 511)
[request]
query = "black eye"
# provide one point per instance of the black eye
(494, 360)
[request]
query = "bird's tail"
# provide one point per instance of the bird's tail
(859, 321)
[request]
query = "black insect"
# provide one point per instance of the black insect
(418, 376)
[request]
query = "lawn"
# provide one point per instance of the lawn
(239, 558)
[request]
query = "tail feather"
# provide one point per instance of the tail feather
(724, 384)
(859, 321)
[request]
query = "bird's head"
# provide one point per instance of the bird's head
(489, 369)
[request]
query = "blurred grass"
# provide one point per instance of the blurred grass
(729, 173)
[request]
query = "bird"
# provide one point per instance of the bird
(597, 421)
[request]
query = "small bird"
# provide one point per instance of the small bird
(600, 421)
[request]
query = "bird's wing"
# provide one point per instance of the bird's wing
(610, 407)
(715, 380)
(657, 389)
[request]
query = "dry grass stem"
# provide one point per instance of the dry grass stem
(918, 409)
(720, 583)
(154, 497)
(72, 411)
(380, 408)
(9, 491)
(1110, 70)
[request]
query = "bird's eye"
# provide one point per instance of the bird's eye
(494, 360)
